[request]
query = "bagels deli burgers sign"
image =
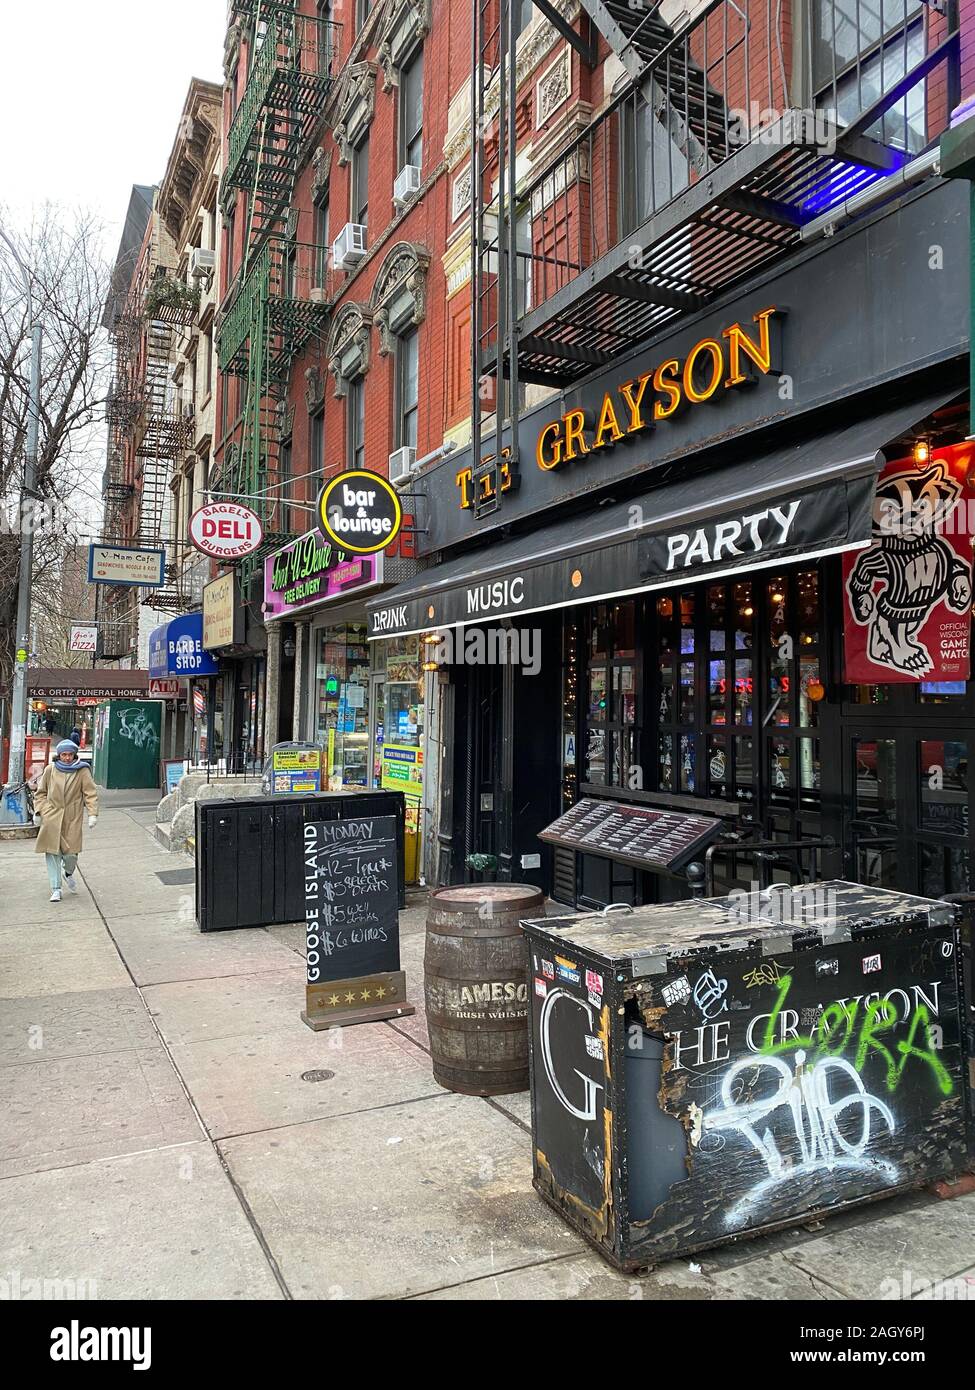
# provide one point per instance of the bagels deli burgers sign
(226, 530)
(360, 511)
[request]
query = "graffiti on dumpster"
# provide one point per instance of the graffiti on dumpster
(814, 1106)
(134, 725)
(810, 1090)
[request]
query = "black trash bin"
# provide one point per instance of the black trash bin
(808, 1046)
(249, 866)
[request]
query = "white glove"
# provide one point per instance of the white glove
(92, 822)
(37, 817)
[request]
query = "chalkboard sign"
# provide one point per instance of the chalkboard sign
(351, 898)
(649, 839)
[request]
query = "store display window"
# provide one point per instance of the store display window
(342, 703)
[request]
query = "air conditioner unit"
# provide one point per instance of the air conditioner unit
(189, 410)
(349, 246)
(202, 262)
(407, 184)
(401, 465)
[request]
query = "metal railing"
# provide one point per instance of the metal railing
(864, 95)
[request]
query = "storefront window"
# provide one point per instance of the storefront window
(611, 736)
(876, 778)
(342, 704)
(570, 712)
(944, 786)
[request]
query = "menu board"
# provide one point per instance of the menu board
(351, 898)
(640, 835)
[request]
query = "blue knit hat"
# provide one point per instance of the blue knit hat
(67, 745)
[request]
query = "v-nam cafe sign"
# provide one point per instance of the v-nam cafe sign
(711, 367)
(128, 565)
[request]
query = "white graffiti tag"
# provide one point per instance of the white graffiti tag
(134, 725)
(815, 1115)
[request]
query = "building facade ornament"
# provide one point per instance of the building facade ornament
(537, 40)
(553, 87)
(348, 345)
(314, 389)
(357, 108)
(460, 193)
(407, 24)
(321, 162)
(399, 296)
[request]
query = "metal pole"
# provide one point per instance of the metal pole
(18, 727)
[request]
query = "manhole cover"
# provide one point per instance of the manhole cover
(173, 876)
(319, 1074)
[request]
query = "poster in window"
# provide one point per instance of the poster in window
(907, 597)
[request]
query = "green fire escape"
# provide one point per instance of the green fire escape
(283, 293)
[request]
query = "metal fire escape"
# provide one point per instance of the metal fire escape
(273, 315)
(720, 147)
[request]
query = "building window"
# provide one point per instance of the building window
(356, 422)
(290, 268)
(321, 243)
(411, 112)
(208, 363)
(362, 8)
(859, 52)
(525, 14)
(407, 364)
(323, 12)
(360, 184)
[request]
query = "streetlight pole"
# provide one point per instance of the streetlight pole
(18, 721)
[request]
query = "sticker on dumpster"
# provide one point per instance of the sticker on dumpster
(594, 1046)
(596, 1000)
(871, 964)
(676, 991)
(827, 967)
(541, 988)
(567, 970)
(594, 982)
(548, 970)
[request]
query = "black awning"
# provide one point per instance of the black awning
(796, 502)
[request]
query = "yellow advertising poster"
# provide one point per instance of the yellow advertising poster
(402, 769)
(297, 760)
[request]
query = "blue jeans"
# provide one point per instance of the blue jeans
(54, 862)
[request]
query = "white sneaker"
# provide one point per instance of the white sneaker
(56, 896)
(70, 884)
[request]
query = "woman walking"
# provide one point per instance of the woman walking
(65, 790)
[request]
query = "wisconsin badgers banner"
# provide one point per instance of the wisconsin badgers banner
(908, 596)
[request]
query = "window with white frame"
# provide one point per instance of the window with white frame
(355, 409)
(860, 49)
(359, 206)
(407, 389)
(411, 112)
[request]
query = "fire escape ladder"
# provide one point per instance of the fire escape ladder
(268, 322)
(673, 84)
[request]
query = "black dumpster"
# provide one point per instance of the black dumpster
(249, 866)
(706, 1070)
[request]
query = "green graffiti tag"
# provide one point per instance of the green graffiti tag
(834, 1032)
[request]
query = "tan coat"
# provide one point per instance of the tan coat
(62, 799)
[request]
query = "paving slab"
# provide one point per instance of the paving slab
(165, 1224)
(54, 1026)
(191, 1011)
(244, 1084)
(518, 1105)
(398, 1201)
(588, 1277)
(77, 1109)
(29, 902)
(78, 965)
(167, 947)
(52, 929)
(924, 1240)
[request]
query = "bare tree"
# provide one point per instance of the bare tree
(69, 279)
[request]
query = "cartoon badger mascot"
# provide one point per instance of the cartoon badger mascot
(914, 567)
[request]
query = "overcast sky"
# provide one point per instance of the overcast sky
(92, 94)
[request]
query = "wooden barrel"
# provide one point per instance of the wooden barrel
(476, 983)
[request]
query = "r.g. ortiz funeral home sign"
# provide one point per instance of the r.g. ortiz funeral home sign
(712, 366)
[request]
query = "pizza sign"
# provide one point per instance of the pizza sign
(908, 595)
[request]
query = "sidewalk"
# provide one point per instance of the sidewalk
(166, 1134)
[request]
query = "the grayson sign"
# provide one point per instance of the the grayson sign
(360, 511)
(713, 365)
(352, 922)
(819, 520)
(225, 530)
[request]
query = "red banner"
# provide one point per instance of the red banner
(908, 595)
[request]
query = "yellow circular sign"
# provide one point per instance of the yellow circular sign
(360, 511)
(21, 655)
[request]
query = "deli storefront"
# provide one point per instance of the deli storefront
(751, 592)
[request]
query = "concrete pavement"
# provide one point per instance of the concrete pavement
(166, 1134)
